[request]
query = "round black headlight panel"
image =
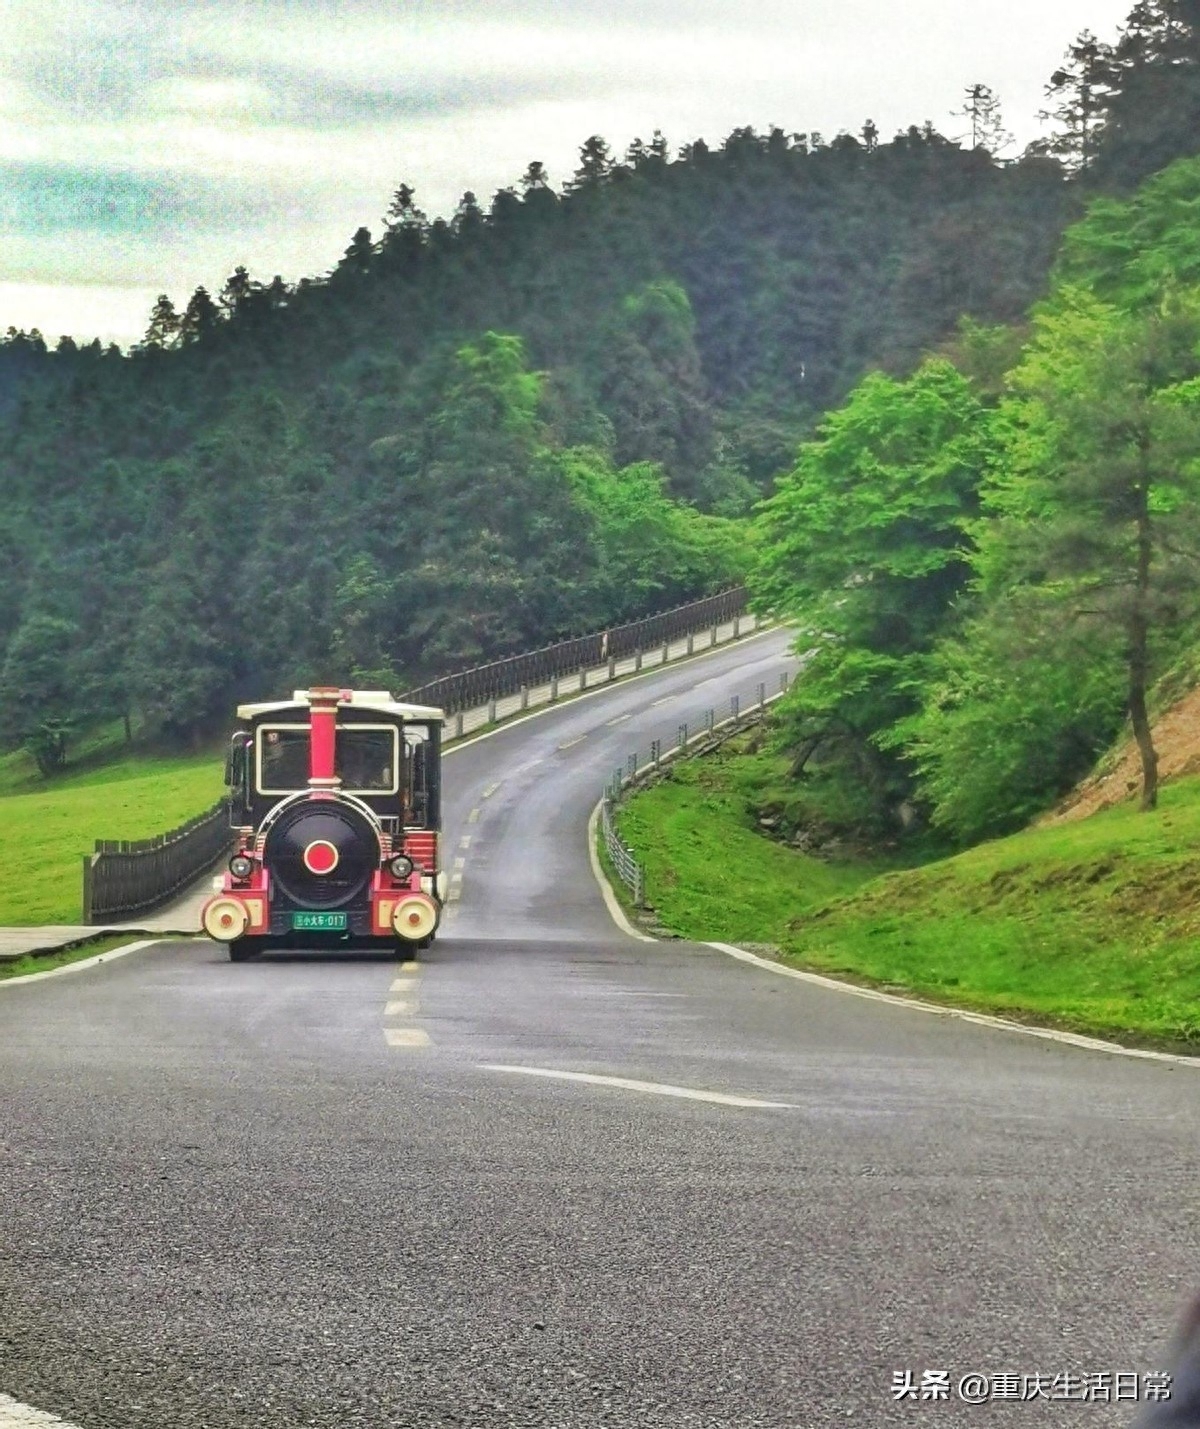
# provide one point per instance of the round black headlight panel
(322, 854)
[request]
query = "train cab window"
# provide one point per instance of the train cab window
(282, 760)
(365, 759)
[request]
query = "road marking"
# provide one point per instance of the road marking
(79, 967)
(465, 841)
(401, 1008)
(620, 719)
(460, 864)
(410, 965)
(629, 1084)
(615, 911)
(473, 817)
(403, 984)
(980, 1019)
(571, 743)
(491, 788)
(454, 894)
(666, 700)
(15, 1415)
(406, 1036)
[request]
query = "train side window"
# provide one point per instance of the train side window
(416, 777)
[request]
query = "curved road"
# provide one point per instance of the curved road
(337, 1192)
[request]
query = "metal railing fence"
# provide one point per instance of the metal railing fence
(123, 879)
(468, 689)
(634, 772)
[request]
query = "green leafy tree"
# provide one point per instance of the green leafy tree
(1016, 708)
(1080, 91)
(864, 546)
(1097, 497)
(37, 694)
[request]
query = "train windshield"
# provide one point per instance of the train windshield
(366, 759)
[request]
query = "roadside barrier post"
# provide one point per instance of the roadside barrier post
(582, 681)
(762, 695)
(553, 688)
(712, 720)
(691, 645)
(656, 752)
(612, 667)
(492, 710)
(783, 681)
(733, 707)
(666, 651)
(737, 626)
(524, 697)
(683, 736)
(631, 766)
(458, 725)
(712, 639)
(637, 658)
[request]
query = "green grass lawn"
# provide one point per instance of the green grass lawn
(45, 830)
(1093, 926)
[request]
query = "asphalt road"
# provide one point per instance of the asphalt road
(309, 1191)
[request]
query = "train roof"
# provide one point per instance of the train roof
(376, 701)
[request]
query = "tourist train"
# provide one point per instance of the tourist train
(335, 799)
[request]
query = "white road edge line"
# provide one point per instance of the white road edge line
(615, 911)
(913, 1004)
(629, 1084)
(108, 957)
(15, 1415)
(980, 1019)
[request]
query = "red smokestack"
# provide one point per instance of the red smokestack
(322, 750)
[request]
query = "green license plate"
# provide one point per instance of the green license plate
(322, 922)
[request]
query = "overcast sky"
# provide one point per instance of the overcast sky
(152, 145)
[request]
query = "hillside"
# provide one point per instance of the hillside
(472, 436)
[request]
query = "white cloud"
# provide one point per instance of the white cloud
(316, 109)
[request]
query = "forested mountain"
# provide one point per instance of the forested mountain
(477, 433)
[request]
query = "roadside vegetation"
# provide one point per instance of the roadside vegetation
(1089, 925)
(44, 834)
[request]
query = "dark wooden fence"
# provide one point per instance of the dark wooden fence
(468, 689)
(123, 880)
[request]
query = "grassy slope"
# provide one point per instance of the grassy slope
(46, 828)
(1091, 925)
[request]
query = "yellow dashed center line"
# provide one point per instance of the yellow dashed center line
(491, 789)
(473, 817)
(465, 841)
(406, 1036)
(571, 743)
(404, 1005)
(620, 719)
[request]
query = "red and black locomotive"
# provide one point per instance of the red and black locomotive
(336, 799)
